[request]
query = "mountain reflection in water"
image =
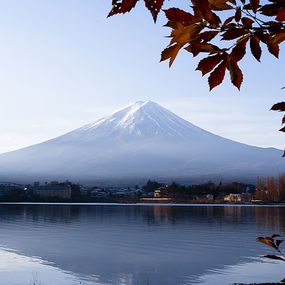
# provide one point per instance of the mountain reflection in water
(99, 244)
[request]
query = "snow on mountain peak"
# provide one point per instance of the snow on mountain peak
(142, 119)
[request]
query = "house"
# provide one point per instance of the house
(232, 198)
(244, 197)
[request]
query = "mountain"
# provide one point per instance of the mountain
(143, 140)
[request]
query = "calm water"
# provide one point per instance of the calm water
(99, 244)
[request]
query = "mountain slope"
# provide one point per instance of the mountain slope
(143, 140)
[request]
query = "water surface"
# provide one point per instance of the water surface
(132, 244)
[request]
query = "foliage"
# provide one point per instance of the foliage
(221, 29)
(274, 242)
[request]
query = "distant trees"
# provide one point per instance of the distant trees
(270, 189)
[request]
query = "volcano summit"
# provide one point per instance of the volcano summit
(141, 141)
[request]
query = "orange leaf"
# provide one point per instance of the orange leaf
(235, 73)
(255, 47)
(207, 64)
(178, 15)
(123, 7)
(170, 53)
(278, 38)
(217, 76)
(281, 15)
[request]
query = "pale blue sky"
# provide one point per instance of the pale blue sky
(64, 64)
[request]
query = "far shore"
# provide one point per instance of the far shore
(145, 204)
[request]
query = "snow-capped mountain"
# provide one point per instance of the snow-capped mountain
(143, 140)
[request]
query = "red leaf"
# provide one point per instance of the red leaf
(235, 73)
(123, 7)
(238, 15)
(178, 15)
(273, 49)
(228, 20)
(233, 34)
(247, 21)
(255, 47)
(254, 5)
(207, 64)
(239, 50)
(154, 6)
(204, 8)
(217, 76)
(279, 107)
(281, 15)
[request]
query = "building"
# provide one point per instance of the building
(238, 198)
(232, 198)
(52, 191)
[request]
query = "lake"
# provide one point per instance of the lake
(137, 244)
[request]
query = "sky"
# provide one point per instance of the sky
(64, 64)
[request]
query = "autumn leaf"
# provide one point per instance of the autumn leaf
(239, 50)
(235, 73)
(122, 7)
(233, 34)
(281, 15)
(247, 21)
(267, 241)
(273, 49)
(254, 5)
(275, 257)
(217, 76)
(209, 63)
(178, 15)
(154, 7)
(279, 107)
(238, 15)
(170, 53)
(278, 38)
(255, 47)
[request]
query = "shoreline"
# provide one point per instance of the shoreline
(147, 204)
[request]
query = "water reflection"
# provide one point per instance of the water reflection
(138, 244)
